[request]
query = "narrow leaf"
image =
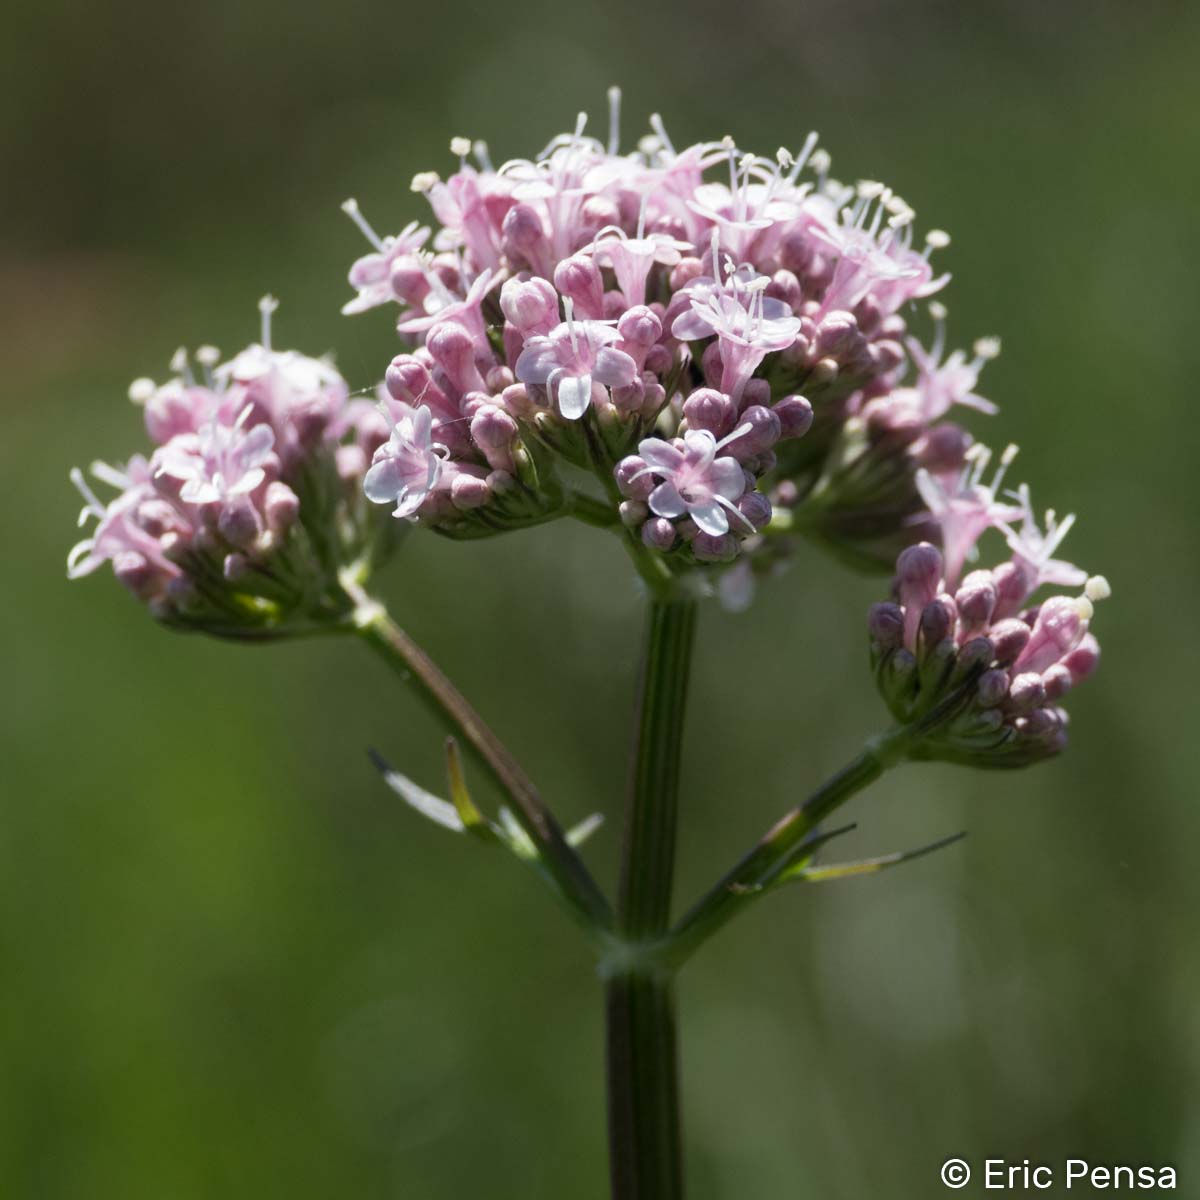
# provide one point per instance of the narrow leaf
(418, 799)
(473, 821)
(866, 866)
(580, 833)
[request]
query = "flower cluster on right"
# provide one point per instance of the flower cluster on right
(973, 654)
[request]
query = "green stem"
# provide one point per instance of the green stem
(729, 895)
(593, 512)
(642, 1060)
(383, 635)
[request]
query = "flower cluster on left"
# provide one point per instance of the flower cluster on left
(250, 506)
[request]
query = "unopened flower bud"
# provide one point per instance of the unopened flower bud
(991, 688)
(885, 623)
(756, 508)
(282, 506)
(453, 348)
(1009, 637)
(469, 491)
(632, 513)
(633, 481)
(578, 278)
(530, 306)
(763, 432)
(795, 416)
(659, 534)
(239, 522)
(712, 548)
(706, 408)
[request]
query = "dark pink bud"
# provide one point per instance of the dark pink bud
(1026, 693)
(836, 334)
(630, 482)
(659, 359)
(756, 508)
(640, 326)
(937, 620)
(239, 523)
(943, 448)
(453, 348)
(137, 574)
(786, 287)
(1011, 589)
(1009, 637)
(706, 408)
(719, 548)
(579, 279)
(530, 306)
(885, 623)
(522, 231)
(684, 271)
(764, 431)
(918, 577)
(409, 282)
(659, 534)
(1057, 681)
(469, 491)
(795, 416)
(755, 391)
(1084, 659)
(992, 688)
(976, 600)
(282, 505)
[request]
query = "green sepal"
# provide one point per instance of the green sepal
(867, 866)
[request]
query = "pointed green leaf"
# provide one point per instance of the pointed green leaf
(866, 866)
(473, 821)
(580, 833)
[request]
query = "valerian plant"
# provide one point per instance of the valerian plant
(704, 353)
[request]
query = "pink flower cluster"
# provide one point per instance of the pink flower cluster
(670, 320)
(978, 645)
(205, 529)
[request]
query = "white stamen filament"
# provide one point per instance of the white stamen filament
(614, 120)
(351, 209)
(266, 306)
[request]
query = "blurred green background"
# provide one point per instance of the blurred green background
(234, 966)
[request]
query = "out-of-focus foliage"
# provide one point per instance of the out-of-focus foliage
(236, 966)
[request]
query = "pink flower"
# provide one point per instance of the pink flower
(405, 469)
(573, 356)
(967, 508)
(748, 325)
(443, 305)
(371, 275)
(218, 462)
(1033, 550)
(941, 385)
(695, 482)
(632, 259)
(135, 552)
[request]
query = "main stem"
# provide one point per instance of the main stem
(642, 1060)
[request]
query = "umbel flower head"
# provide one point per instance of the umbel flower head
(250, 502)
(672, 321)
(975, 661)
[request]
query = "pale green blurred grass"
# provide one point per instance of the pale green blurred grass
(235, 967)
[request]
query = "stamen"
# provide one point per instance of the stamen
(569, 309)
(482, 157)
(656, 123)
(181, 366)
(986, 348)
(142, 390)
(266, 306)
(462, 147)
(351, 209)
(94, 507)
(423, 181)
(614, 120)
(805, 155)
(1097, 588)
